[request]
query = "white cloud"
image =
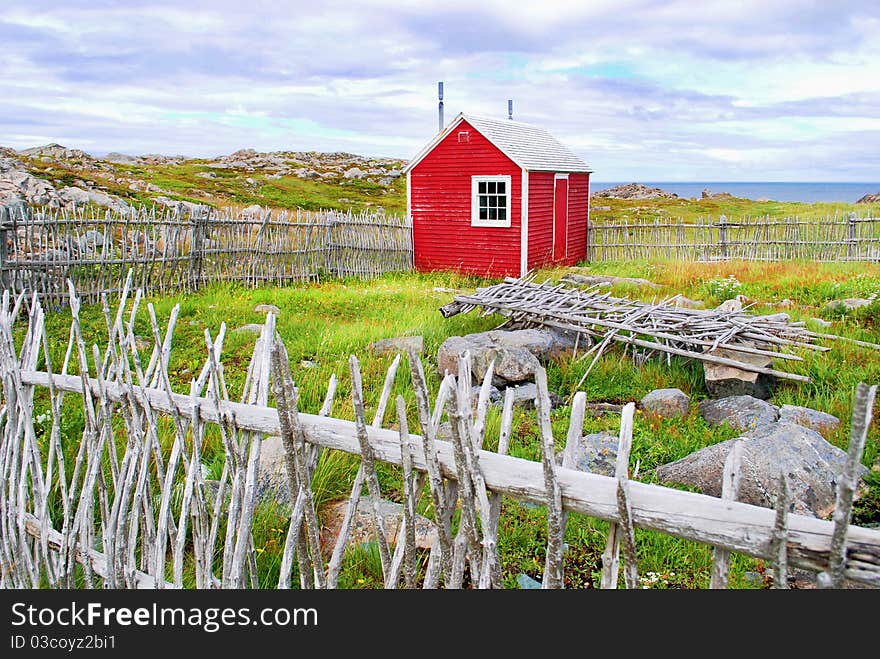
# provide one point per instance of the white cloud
(637, 88)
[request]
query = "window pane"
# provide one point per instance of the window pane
(502, 202)
(481, 187)
(493, 202)
(502, 213)
(484, 201)
(501, 186)
(483, 214)
(493, 214)
(491, 187)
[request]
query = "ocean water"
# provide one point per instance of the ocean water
(776, 191)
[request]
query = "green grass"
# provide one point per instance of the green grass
(323, 324)
(733, 208)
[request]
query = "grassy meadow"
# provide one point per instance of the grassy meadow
(322, 324)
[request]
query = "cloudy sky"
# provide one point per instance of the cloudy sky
(653, 91)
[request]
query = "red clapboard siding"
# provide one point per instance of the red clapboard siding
(443, 238)
(578, 213)
(540, 219)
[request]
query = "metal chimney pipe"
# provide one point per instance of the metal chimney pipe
(510, 108)
(440, 107)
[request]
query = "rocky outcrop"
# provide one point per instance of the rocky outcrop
(706, 194)
(634, 191)
(811, 465)
(740, 412)
(73, 196)
(19, 188)
(870, 199)
(56, 152)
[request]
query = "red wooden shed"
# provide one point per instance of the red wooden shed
(497, 197)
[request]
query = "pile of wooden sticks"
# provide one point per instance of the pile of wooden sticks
(598, 319)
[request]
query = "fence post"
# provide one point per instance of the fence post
(197, 249)
(722, 235)
(4, 250)
(851, 237)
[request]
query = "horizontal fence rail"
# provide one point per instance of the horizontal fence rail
(124, 503)
(847, 238)
(170, 252)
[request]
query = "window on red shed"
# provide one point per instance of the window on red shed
(490, 201)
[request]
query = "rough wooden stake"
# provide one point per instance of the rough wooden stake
(553, 563)
(863, 407)
(611, 557)
(780, 535)
(729, 491)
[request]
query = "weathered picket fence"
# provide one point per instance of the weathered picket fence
(134, 509)
(837, 238)
(170, 251)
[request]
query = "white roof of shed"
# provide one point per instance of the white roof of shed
(529, 146)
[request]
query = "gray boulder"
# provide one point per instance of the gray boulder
(821, 422)
(266, 308)
(398, 344)
(666, 403)
(723, 381)
(364, 531)
(516, 353)
(741, 412)
(811, 464)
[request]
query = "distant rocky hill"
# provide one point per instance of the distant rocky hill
(59, 176)
(634, 191)
(869, 199)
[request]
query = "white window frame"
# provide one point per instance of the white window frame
(475, 201)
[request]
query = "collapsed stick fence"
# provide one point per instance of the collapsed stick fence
(836, 238)
(172, 251)
(124, 502)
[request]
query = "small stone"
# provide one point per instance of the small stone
(525, 582)
(846, 305)
(399, 344)
(687, 303)
(730, 306)
(266, 308)
(256, 328)
(495, 397)
(595, 453)
(754, 578)
(305, 363)
(666, 403)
